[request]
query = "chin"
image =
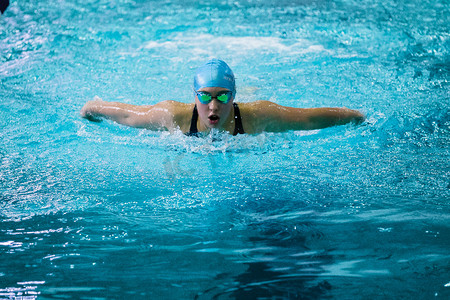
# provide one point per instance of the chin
(215, 126)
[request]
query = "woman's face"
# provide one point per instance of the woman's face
(215, 113)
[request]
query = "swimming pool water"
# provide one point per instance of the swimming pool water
(101, 211)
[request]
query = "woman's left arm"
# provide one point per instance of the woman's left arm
(278, 118)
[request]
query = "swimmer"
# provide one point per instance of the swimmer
(214, 108)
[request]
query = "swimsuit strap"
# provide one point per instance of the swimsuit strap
(238, 128)
(193, 131)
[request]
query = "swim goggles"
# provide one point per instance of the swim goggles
(205, 97)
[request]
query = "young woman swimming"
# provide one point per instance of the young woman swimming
(214, 107)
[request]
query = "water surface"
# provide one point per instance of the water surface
(98, 210)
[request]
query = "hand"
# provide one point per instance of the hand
(87, 111)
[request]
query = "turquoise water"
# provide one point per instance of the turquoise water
(101, 211)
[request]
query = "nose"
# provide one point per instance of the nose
(214, 104)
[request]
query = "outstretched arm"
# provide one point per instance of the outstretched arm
(279, 118)
(156, 116)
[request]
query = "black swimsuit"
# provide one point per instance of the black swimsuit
(238, 129)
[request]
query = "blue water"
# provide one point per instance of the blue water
(102, 211)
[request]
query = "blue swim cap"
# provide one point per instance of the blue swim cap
(215, 73)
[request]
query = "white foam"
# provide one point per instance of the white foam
(210, 44)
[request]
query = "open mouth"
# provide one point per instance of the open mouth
(214, 119)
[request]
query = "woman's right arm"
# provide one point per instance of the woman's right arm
(154, 117)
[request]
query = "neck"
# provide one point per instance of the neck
(227, 125)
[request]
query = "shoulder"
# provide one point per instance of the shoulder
(181, 113)
(263, 108)
(169, 104)
(266, 115)
(171, 107)
(166, 114)
(257, 108)
(257, 105)
(257, 115)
